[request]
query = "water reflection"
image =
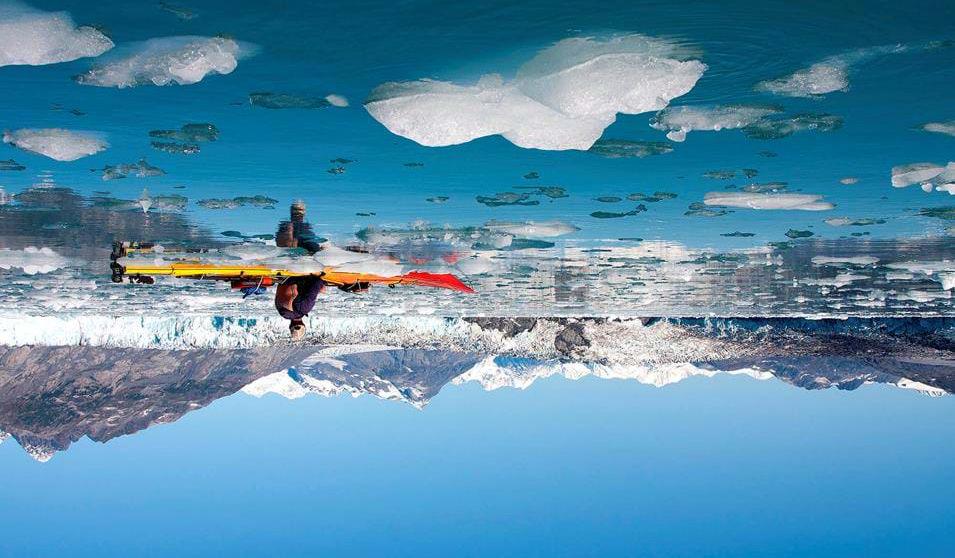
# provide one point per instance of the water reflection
(522, 268)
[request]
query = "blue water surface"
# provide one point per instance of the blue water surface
(350, 48)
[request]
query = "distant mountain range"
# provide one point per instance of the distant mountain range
(51, 397)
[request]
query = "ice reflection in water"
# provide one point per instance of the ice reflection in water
(517, 275)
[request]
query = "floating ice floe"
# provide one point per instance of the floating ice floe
(623, 149)
(32, 37)
(777, 128)
(846, 260)
(11, 165)
(169, 60)
(796, 233)
(847, 222)
(239, 201)
(947, 128)
(189, 133)
(656, 197)
(357, 262)
(56, 143)
(532, 229)
(826, 76)
(928, 176)
(506, 198)
(764, 187)
(749, 200)
(677, 122)
(269, 100)
(182, 13)
(32, 260)
(942, 271)
(139, 169)
(253, 251)
(618, 214)
(561, 99)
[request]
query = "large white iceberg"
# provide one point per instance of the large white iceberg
(752, 200)
(563, 98)
(34, 38)
(56, 143)
(169, 60)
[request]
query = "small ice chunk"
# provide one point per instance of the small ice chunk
(848, 180)
(748, 200)
(11, 165)
(189, 133)
(848, 222)
(777, 128)
(914, 173)
(184, 14)
(845, 260)
(622, 149)
(253, 251)
(506, 198)
(563, 98)
(818, 79)
(678, 121)
(169, 60)
(257, 200)
(32, 37)
(337, 100)
(532, 229)
(947, 128)
(56, 143)
(278, 101)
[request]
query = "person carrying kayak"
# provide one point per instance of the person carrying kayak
(296, 296)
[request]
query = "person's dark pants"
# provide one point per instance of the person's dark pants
(308, 288)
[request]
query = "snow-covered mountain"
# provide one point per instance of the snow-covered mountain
(50, 396)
